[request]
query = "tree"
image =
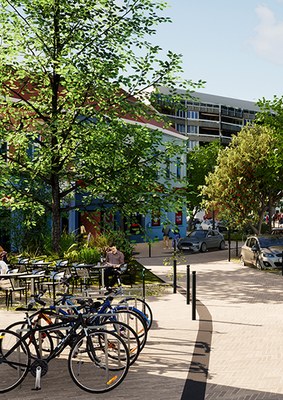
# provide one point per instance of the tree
(244, 180)
(271, 115)
(71, 69)
(200, 161)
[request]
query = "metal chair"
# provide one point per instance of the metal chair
(52, 281)
(10, 286)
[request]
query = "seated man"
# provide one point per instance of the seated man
(114, 258)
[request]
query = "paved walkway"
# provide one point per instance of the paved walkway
(231, 351)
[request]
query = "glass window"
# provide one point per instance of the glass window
(181, 128)
(179, 218)
(155, 218)
(192, 129)
(178, 166)
(182, 113)
(193, 114)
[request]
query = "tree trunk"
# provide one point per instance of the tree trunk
(56, 221)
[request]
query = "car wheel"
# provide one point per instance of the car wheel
(222, 245)
(242, 261)
(258, 264)
(203, 247)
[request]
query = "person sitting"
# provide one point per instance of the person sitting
(114, 258)
(4, 254)
(3, 264)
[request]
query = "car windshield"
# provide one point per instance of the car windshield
(197, 234)
(272, 241)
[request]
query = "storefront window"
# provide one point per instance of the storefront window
(179, 218)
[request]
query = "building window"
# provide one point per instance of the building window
(155, 218)
(135, 223)
(181, 128)
(179, 218)
(178, 167)
(193, 114)
(192, 129)
(191, 144)
(182, 113)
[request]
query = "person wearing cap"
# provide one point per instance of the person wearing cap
(4, 254)
(114, 258)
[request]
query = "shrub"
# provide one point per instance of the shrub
(89, 255)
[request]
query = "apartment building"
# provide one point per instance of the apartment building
(206, 117)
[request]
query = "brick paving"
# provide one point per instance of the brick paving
(232, 351)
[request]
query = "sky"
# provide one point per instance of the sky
(235, 46)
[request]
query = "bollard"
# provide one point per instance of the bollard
(175, 247)
(229, 245)
(149, 249)
(194, 295)
(143, 283)
(175, 276)
(188, 284)
(237, 248)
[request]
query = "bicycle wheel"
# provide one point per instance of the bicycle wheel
(127, 334)
(142, 306)
(94, 362)
(40, 343)
(14, 360)
(134, 320)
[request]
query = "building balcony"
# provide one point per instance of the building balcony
(230, 127)
(207, 123)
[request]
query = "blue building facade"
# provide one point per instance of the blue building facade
(142, 228)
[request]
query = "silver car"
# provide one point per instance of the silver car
(202, 240)
(263, 251)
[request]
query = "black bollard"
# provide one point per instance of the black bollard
(175, 276)
(229, 245)
(149, 249)
(237, 248)
(194, 295)
(143, 283)
(188, 284)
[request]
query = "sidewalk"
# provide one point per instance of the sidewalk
(232, 351)
(238, 349)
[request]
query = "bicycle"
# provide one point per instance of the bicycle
(98, 360)
(136, 304)
(46, 316)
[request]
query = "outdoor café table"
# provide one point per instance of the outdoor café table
(95, 267)
(42, 265)
(12, 275)
(32, 278)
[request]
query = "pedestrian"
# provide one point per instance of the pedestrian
(114, 258)
(166, 232)
(176, 237)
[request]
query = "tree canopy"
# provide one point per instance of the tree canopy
(245, 180)
(72, 72)
(200, 161)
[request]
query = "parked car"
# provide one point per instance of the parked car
(264, 251)
(202, 240)
(218, 225)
